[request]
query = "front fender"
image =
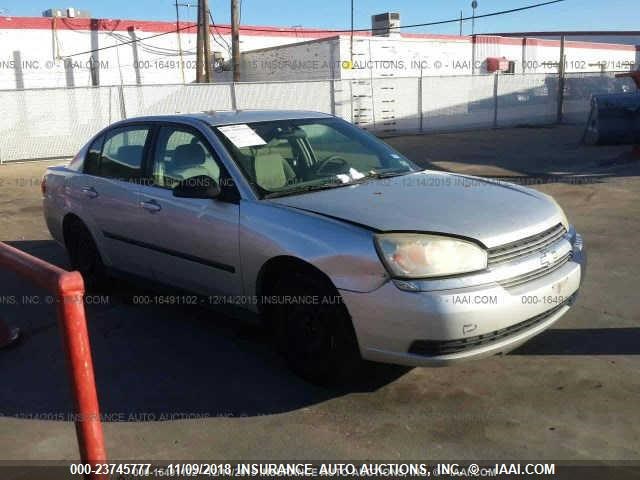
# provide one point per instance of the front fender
(342, 251)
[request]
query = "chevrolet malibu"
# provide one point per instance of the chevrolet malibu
(345, 248)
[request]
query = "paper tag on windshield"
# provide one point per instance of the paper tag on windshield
(242, 135)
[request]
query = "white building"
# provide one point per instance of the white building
(39, 52)
(67, 52)
(429, 55)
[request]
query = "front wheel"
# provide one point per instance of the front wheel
(314, 331)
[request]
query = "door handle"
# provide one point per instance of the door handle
(89, 192)
(151, 206)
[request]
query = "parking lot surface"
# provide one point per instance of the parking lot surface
(182, 382)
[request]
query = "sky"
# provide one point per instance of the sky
(335, 14)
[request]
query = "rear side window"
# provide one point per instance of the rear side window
(92, 159)
(122, 154)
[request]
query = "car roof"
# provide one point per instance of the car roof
(232, 117)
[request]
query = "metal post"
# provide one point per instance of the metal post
(561, 72)
(235, 39)
(68, 288)
(495, 99)
(75, 338)
(373, 103)
(420, 80)
(123, 107)
(234, 98)
(473, 54)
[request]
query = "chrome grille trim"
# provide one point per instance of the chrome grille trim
(526, 246)
(535, 274)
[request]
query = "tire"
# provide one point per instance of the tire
(317, 339)
(85, 257)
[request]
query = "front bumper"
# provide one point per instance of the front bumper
(394, 325)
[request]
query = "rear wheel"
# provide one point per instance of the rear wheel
(313, 330)
(84, 255)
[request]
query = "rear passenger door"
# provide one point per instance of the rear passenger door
(108, 195)
(192, 243)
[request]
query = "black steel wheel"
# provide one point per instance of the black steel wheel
(314, 331)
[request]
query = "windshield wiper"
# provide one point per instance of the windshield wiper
(325, 186)
(377, 175)
(306, 189)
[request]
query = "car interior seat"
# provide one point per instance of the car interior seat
(188, 161)
(272, 170)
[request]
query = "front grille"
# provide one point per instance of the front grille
(435, 348)
(526, 246)
(535, 274)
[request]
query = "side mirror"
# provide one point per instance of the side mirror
(200, 186)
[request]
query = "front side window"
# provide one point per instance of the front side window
(286, 157)
(180, 155)
(122, 154)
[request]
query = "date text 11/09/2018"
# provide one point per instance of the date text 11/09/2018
(141, 470)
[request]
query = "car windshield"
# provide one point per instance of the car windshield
(287, 157)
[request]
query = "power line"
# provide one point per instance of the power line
(415, 25)
(256, 29)
(215, 27)
(131, 41)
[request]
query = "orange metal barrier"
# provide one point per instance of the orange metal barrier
(68, 288)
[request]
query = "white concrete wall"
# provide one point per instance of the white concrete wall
(415, 57)
(310, 60)
(33, 52)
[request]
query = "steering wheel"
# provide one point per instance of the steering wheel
(332, 164)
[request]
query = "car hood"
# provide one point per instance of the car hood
(491, 212)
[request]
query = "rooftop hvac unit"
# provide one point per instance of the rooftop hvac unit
(385, 24)
(70, 12)
(53, 12)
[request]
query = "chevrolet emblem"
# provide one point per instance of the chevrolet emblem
(548, 258)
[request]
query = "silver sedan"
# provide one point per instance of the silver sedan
(345, 248)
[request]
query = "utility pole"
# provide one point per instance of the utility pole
(207, 42)
(203, 47)
(474, 5)
(235, 39)
(460, 22)
(199, 49)
(561, 80)
(351, 31)
(179, 41)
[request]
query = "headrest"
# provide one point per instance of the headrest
(130, 154)
(188, 155)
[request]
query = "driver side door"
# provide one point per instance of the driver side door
(192, 243)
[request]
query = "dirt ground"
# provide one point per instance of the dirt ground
(183, 383)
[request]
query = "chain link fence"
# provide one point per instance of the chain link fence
(55, 123)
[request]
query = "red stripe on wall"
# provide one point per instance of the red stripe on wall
(109, 25)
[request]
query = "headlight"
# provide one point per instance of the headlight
(414, 255)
